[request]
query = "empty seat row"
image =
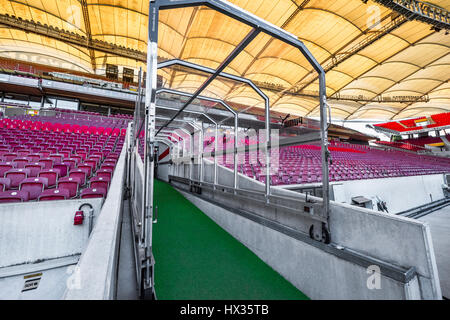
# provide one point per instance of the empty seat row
(47, 165)
(58, 127)
(303, 164)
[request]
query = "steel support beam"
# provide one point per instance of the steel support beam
(258, 25)
(224, 104)
(241, 46)
(236, 117)
(420, 10)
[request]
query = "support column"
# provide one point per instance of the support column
(200, 150)
(236, 123)
(191, 157)
(324, 140)
(266, 146)
(216, 137)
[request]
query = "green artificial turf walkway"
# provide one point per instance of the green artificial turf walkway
(196, 259)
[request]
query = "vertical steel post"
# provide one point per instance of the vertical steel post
(236, 123)
(216, 137)
(150, 108)
(183, 153)
(266, 146)
(191, 157)
(200, 150)
(324, 138)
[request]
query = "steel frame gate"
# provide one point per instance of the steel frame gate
(146, 261)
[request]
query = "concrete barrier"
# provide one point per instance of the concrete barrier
(38, 231)
(317, 272)
(98, 264)
(399, 193)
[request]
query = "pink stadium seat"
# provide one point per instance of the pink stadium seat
(106, 173)
(47, 162)
(108, 166)
(17, 176)
(72, 163)
(100, 182)
(14, 196)
(93, 193)
(77, 158)
(111, 162)
(54, 194)
(67, 128)
(63, 168)
(8, 157)
(34, 157)
(76, 128)
(34, 168)
(6, 166)
(44, 153)
(21, 162)
(57, 158)
(23, 152)
(107, 131)
(34, 186)
(70, 184)
(80, 174)
(5, 184)
(57, 127)
(51, 175)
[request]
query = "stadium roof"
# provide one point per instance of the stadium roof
(387, 68)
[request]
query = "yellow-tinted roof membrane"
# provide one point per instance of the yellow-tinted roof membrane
(378, 60)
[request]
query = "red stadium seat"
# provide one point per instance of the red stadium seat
(5, 184)
(13, 196)
(8, 157)
(107, 173)
(71, 184)
(34, 168)
(51, 175)
(21, 162)
(100, 182)
(6, 166)
(34, 157)
(93, 193)
(80, 174)
(47, 162)
(63, 168)
(54, 194)
(34, 186)
(17, 176)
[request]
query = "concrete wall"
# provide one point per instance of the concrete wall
(36, 231)
(400, 193)
(98, 263)
(316, 272)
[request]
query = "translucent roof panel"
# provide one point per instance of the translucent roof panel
(368, 51)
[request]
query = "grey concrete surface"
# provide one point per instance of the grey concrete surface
(317, 273)
(126, 275)
(97, 267)
(439, 222)
(37, 231)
